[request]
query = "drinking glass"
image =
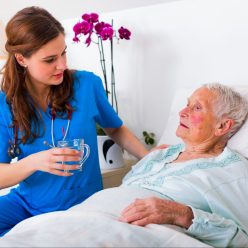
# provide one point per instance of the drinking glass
(79, 145)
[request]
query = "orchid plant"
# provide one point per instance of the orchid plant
(96, 32)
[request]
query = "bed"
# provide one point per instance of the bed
(94, 223)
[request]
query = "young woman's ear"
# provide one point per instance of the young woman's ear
(20, 59)
(224, 127)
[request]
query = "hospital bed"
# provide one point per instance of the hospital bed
(94, 223)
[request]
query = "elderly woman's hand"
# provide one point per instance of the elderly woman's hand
(158, 211)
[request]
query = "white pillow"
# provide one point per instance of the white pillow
(238, 142)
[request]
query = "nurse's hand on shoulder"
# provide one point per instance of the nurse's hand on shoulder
(160, 147)
(52, 161)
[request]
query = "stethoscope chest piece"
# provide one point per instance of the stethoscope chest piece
(14, 151)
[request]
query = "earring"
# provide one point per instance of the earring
(24, 70)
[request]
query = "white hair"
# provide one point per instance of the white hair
(229, 104)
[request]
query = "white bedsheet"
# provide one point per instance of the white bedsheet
(94, 223)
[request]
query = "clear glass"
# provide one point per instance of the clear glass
(79, 145)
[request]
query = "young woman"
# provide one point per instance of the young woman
(43, 102)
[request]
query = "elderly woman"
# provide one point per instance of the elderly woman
(204, 182)
(200, 186)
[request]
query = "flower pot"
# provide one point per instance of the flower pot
(110, 154)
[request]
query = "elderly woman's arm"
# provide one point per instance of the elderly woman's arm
(216, 230)
(210, 228)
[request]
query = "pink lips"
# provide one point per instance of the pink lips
(60, 75)
(181, 124)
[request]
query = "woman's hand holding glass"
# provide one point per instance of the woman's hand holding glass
(78, 145)
(53, 161)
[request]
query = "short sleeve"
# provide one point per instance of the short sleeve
(106, 116)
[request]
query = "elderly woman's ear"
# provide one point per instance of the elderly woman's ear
(224, 127)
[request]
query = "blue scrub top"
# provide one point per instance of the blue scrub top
(43, 192)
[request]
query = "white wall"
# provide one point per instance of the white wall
(175, 44)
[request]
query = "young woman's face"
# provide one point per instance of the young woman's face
(47, 65)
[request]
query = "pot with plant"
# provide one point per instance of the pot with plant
(149, 139)
(96, 32)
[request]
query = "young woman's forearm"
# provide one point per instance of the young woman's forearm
(14, 173)
(123, 137)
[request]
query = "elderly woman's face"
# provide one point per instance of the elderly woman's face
(197, 120)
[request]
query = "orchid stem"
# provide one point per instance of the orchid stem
(113, 92)
(103, 65)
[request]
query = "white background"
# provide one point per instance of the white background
(173, 45)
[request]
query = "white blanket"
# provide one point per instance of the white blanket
(94, 223)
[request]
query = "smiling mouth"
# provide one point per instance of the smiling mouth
(58, 75)
(181, 124)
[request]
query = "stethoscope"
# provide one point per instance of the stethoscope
(53, 114)
(14, 149)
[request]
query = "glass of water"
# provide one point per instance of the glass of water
(79, 145)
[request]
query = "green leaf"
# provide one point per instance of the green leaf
(149, 138)
(151, 141)
(145, 133)
(99, 130)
